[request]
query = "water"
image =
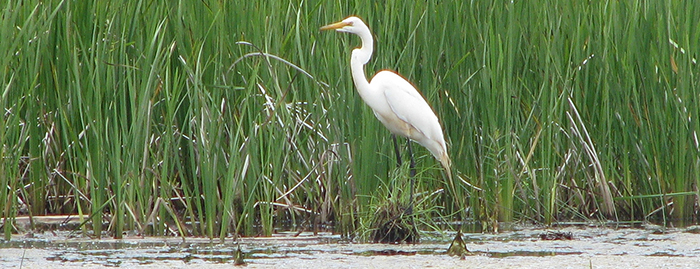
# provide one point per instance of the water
(523, 247)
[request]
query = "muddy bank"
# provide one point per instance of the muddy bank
(590, 247)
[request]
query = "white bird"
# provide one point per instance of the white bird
(394, 100)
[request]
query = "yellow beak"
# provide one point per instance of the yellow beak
(336, 25)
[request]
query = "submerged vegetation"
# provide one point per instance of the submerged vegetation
(216, 118)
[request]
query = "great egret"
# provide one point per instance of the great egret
(394, 100)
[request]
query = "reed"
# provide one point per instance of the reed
(220, 118)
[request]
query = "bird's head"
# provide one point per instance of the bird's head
(352, 24)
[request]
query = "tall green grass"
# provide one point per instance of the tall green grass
(220, 118)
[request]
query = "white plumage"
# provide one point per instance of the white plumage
(394, 100)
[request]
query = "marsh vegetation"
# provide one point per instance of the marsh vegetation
(220, 118)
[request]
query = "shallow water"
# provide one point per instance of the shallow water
(523, 247)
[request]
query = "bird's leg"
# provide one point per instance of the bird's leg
(413, 163)
(412, 166)
(396, 149)
(398, 158)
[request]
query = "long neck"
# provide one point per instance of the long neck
(360, 57)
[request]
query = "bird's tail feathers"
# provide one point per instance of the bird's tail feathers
(446, 164)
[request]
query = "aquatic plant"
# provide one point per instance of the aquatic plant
(155, 118)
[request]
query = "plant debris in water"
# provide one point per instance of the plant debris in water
(238, 256)
(458, 247)
(557, 236)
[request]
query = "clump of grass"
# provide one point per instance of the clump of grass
(394, 224)
(393, 219)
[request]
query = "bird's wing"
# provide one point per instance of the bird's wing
(408, 104)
